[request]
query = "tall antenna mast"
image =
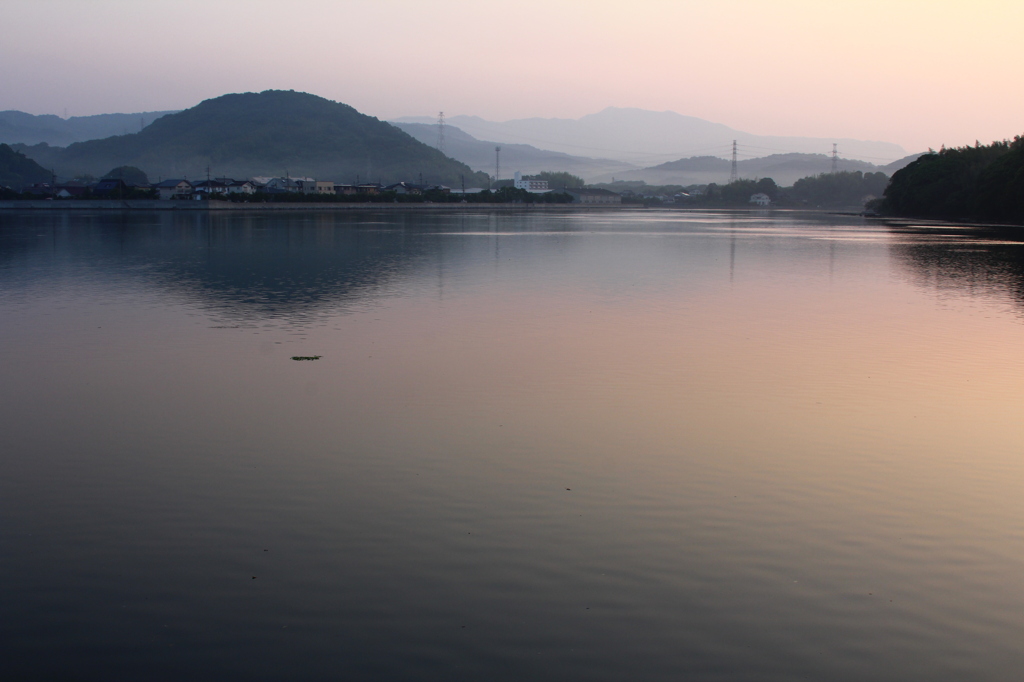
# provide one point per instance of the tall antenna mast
(440, 132)
(835, 159)
(733, 175)
(497, 164)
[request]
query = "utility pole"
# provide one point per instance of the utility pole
(733, 175)
(440, 132)
(835, 159)
(497, 164)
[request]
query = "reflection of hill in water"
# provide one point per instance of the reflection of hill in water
(976, 261)
(243, 267)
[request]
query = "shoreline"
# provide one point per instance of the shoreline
(216, 206)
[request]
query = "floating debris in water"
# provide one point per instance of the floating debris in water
(306, 357)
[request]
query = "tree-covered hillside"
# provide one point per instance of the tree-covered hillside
(836, 190)
(983, 182)
(17, 170)
(268, 133)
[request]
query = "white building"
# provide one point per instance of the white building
(760, 199)
(536, 186)
(241, 187)
(174, 189)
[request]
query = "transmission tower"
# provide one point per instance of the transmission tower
(835, 159)
(497, 164)
(733, 175)
(440, 132)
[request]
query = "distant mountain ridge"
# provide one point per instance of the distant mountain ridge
(273, 133)
(646, 138)
(19, 127)
(479, 154)
(784, 169)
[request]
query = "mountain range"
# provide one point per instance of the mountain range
(479, 154)
(285, 132)
(273, 133)
(19, 127)
(646, 138)
(784, 169)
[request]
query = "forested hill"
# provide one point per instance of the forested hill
(268, 133)
(16, 170)
(983, 183)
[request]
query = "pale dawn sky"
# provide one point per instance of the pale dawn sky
(920, 74)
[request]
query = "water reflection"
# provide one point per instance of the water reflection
(607, 446)
(246, 267)
(298, 266)
(981, 262)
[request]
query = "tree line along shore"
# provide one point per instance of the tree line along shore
(980, 183)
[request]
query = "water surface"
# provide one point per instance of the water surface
(624, 445)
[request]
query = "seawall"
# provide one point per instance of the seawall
(157, 205)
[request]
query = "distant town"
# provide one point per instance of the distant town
(131, 183)
(286, 147)
(853, 189)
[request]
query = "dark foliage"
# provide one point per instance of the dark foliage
(17, 170)
(130, 174)
(560, 180)
(983, 183)
(835, 190)
(738, 193)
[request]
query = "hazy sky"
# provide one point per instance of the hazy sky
(918, 73)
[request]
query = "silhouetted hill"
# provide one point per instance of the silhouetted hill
(17, 170)
(984, 183)
(19, 127)
(891, 168)
(268, 133)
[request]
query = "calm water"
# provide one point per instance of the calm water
(622, 446)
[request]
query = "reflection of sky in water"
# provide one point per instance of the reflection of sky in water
(792, 447)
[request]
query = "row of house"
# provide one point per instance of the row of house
(181, 188)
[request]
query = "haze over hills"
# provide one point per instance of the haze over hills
(646, 138)
(274, 132)
(479, 154)
(284, 132)
(19, 127)
(784, 169)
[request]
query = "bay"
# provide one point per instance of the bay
(611, 445)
